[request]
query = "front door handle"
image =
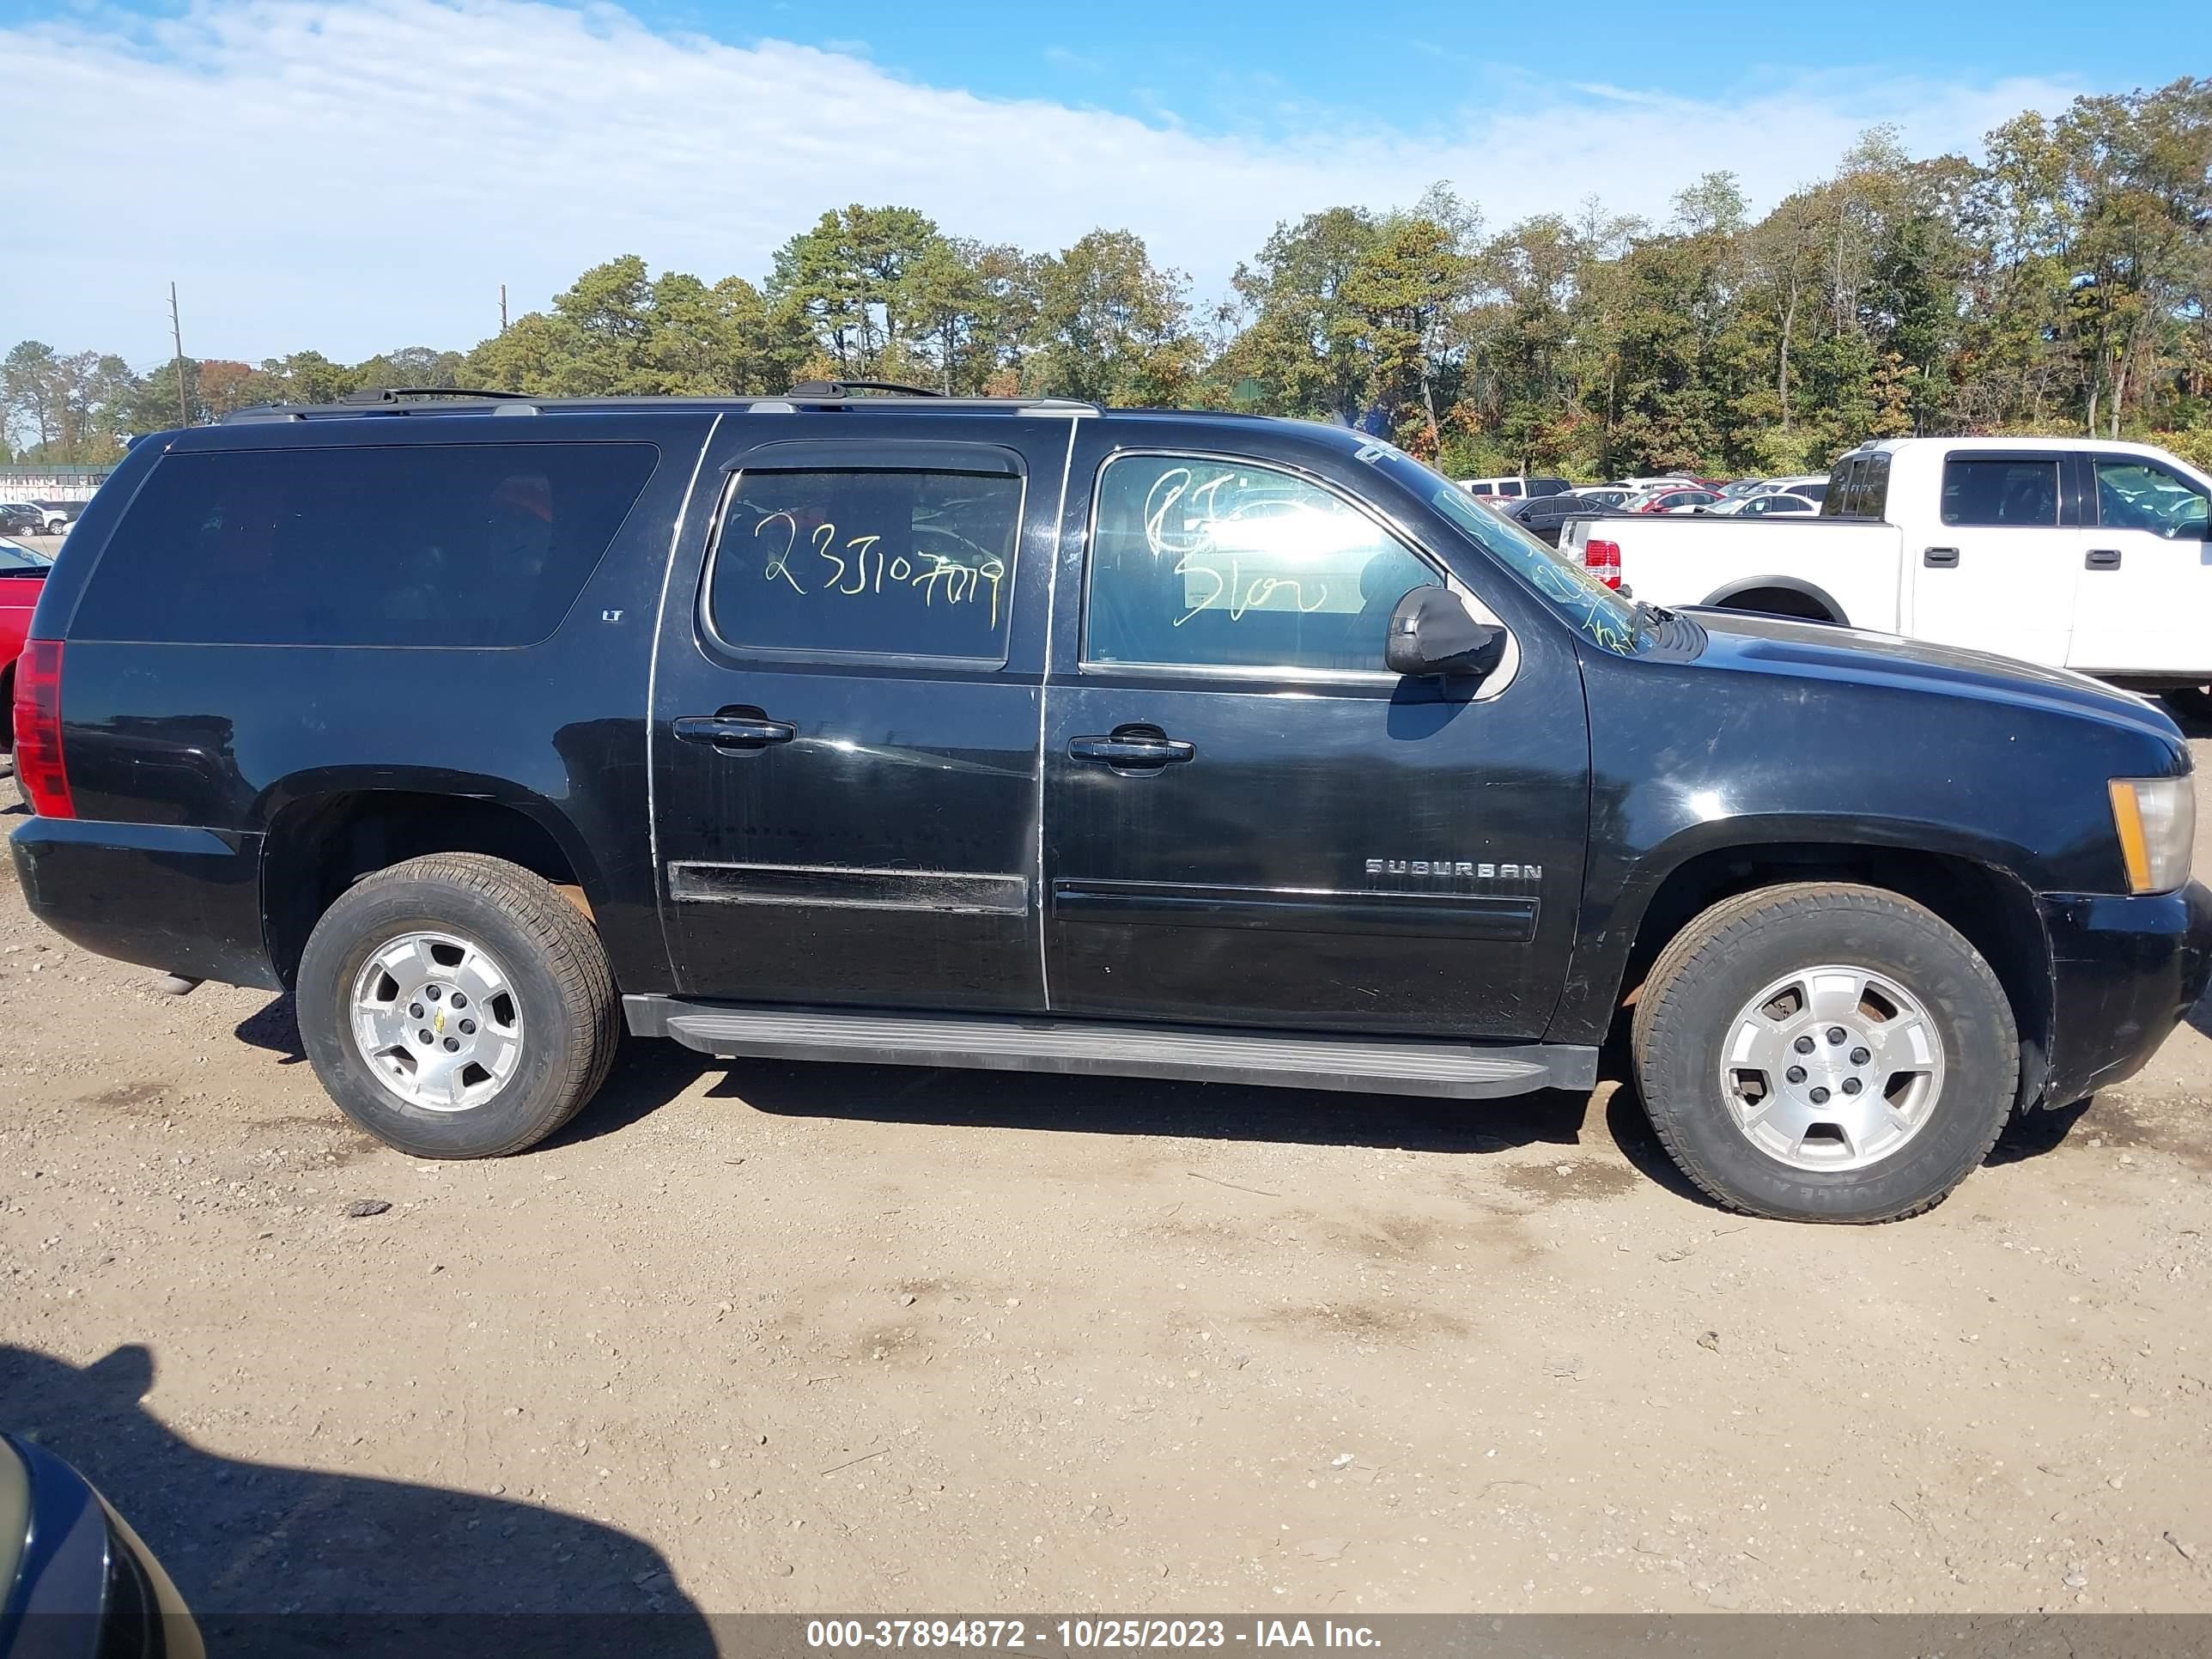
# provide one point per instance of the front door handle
(2103, 558)
(734, 731)
(1132, 748)
(1940, 558)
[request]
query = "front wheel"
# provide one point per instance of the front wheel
(457, 1006)
(1824, 1052)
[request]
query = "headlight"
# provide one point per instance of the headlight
(2157, 819)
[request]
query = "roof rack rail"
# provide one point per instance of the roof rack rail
(392, 394)
(839, 388)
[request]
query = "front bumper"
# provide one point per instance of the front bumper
(2125, 972)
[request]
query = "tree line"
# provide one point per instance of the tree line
(2059, 284)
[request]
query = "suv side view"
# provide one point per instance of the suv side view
(1031, 735)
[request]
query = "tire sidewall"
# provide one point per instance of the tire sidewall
(1680, 1068)
(363, 922)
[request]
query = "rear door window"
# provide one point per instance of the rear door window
(405, 544)
(868, 562)
(1994, 489)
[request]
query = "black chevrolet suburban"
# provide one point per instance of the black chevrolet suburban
(1031, 735)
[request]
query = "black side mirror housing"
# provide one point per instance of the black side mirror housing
(1432, 636)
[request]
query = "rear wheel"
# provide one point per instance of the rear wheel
(457, 1006)
(1824, 1052)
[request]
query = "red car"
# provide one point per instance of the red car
(22, 578)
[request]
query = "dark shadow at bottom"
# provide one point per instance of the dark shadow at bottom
(274, 1560)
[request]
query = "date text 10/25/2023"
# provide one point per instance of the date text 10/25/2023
(1086, 1634)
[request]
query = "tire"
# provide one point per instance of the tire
(1949, 1030)
(558, 1002)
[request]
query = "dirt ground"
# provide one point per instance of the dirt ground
(772, 1337)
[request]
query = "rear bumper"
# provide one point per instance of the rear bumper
(2125, 972)
(183, 900)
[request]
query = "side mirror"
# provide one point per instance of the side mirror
(1430, 633)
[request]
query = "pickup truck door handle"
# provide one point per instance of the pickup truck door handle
(1132, 748)
(2103, 558)
(1940, 558)
(734, 731)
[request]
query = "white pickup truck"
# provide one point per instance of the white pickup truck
(2071, 552)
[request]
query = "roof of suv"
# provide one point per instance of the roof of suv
(808, 397)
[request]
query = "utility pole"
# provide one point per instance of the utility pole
(502, 307)
(177, 335)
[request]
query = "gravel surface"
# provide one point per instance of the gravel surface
(772, 1336)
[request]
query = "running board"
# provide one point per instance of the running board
(1398, 1065)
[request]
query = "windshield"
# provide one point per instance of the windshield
(14, 555)
(1597, 613)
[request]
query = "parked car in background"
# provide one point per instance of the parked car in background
(1662, 480)
(1602, 495)
(46, 518)
(1517, 488)
(22, 579)
(2069, 552)
(1812, 488)
(1760, 507)
(1684, 498)
(21, 518)
(75, 1583)
(1541, 516)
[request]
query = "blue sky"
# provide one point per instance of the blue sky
(356, 175)
(1225, 65)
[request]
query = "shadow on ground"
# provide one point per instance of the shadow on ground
(647, 1074)
(2194, 720)
(280, 1560)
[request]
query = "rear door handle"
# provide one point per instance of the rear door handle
(2103, 558)
(734, 731)
(1940, 558)
(1132, 750)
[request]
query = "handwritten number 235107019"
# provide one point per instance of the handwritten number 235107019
(863, 568)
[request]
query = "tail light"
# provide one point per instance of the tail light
(1599, 555)
(38, 766)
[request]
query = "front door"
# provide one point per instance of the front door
(2145, 599)
(1997, 571)
(845, 714)
(1248, 819)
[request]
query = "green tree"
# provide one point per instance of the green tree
(1112, 326)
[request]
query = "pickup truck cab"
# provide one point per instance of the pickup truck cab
(1032, 735)
(2069, 552)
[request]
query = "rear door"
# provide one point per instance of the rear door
(845, 711)
(1248, 820)
(1997, 571)
(2145, 598)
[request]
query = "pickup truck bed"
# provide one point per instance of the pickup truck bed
(1842, 570)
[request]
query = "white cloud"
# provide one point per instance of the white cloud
(358, 175)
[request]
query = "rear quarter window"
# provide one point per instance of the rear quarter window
(413, 544)
(2013, 491)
